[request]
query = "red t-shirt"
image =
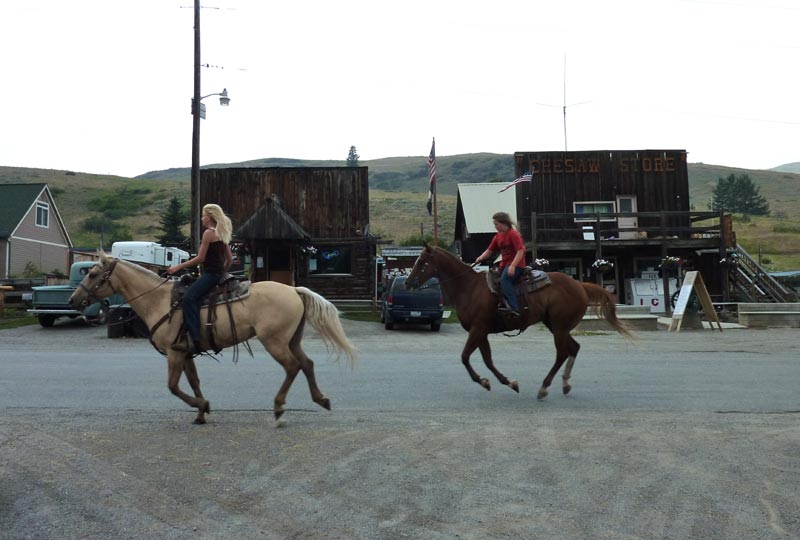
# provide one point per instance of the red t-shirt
(508, 243)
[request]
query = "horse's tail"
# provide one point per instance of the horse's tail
(603, 305)
(324, 317)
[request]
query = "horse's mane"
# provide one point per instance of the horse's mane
(450, 256)
(104, 257)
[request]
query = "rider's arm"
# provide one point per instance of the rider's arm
(228, 257)
(197, 259)
(518, 257)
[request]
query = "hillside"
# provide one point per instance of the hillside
(398, 191)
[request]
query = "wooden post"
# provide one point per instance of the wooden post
(3, 289)
(664, 276)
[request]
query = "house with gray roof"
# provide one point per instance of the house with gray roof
(31, 231)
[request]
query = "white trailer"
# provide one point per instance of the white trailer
(149, 253)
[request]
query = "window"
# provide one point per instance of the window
(330, 260)
(42, 214)
(593, 207)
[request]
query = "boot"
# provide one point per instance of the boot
(187, 345)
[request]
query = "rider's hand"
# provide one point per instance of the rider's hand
(172, 269)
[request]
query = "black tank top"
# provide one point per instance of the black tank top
(216, 257)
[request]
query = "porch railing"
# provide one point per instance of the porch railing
(559, 227)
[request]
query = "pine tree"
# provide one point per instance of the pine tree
(739, 194)
(172, 220)
(352, 157)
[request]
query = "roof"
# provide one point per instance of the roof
(479, 201)
(17, 201)
(392, 251)
(271, 222)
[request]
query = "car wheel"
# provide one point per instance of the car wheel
(435, 327)
(388, 325)
(47, 321)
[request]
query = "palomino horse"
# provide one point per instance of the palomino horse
(273, 312)
(560, 306)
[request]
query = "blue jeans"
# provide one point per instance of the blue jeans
(507, 286)
(191, 302)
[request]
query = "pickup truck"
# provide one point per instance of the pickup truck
(50, 302)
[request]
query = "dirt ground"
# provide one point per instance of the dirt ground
(425, 455)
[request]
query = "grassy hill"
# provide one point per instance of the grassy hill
(398, 191)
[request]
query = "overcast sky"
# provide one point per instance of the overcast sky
(104, 86)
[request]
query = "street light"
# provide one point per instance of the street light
(199, 112)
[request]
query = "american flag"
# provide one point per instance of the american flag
(431, 176)
(524, 178)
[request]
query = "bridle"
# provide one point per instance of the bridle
(91, 293)
(441, 281)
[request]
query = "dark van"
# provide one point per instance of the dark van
(421, 306)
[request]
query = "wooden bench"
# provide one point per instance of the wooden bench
(770, 315)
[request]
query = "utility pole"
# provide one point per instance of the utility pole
(196, 132)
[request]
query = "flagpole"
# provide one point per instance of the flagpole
(435, 219)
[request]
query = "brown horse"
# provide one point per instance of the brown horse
(273, 312)
(560, 306)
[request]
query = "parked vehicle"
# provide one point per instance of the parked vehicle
(421, 306)
(50, 302)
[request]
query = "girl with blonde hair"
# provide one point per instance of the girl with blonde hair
(215, 257)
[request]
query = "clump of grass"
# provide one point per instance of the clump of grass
(14, 318)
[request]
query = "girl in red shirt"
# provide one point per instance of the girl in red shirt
(509, 243)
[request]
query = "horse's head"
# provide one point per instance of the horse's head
(96, 285)
(424, 269)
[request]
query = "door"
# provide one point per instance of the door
(627, 204)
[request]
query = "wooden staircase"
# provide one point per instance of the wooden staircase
(753, 283)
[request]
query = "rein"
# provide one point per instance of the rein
(448, 279)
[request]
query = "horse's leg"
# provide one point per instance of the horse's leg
(486, 353)
(190, 370)
(574, 347)
(473, 341)
(561, 339)
(307, 365)
(176, 362)
(283, 355)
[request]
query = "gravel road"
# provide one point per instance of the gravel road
(689, 435)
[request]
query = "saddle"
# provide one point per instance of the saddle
(229, 289)
(530, 281)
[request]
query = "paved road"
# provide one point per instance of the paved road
(689, 435)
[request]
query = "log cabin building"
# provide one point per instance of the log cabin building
(303, 226)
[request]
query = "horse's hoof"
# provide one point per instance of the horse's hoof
(199, 421)
(206, 409)
(325, 403)
(278, 414)
(514, 385)
(542, 394)
(566, 389)
(486, 384)
(279, 423)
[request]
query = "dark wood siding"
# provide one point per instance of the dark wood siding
(658, 178)
(328, 202)
(331, 204)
